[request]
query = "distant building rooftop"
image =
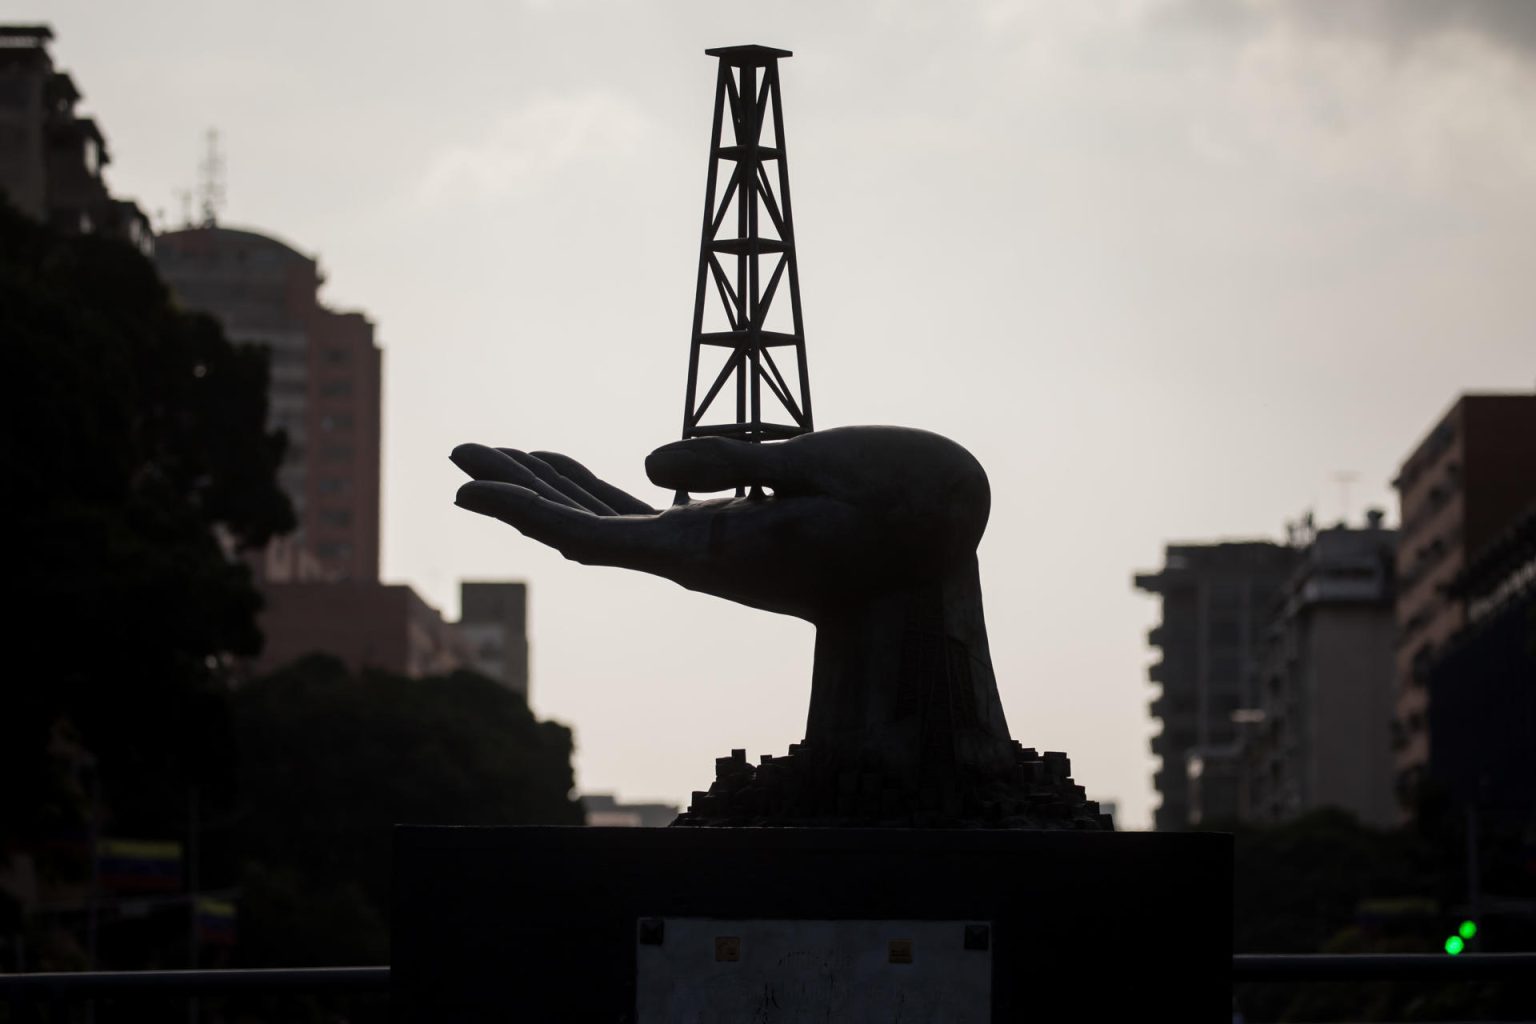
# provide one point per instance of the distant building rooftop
(19, 36)
(605, 811)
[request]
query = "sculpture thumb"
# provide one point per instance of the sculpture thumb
(704, 464)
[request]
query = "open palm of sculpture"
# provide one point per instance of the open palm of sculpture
(870, 533)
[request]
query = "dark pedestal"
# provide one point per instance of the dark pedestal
(541, 924)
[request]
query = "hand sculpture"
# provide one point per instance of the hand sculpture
(870, 533)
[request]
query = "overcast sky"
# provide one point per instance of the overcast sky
(1165, 267)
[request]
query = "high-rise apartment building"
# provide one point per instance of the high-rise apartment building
(324, 392)
(52, 158)
(1465, 485)
(1216, 604)
(1320, 733)
(1482, 687)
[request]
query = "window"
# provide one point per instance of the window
(1226, 703)
(336, 355)
(336, 387)
(1226, 669)
(340, 518)
(1226, 631)
(1226, 595)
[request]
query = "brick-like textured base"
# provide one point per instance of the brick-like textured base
(804, 790)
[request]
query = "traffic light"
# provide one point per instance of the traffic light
(1457, 943)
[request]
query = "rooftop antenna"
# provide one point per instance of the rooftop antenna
(211, 184)
(1344, 478)
(747, 260)
(184, 198)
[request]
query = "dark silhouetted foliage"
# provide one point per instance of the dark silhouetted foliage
(134, 438)
(138, 464)
(1298, 884)
(1324, 883)
(331, 761)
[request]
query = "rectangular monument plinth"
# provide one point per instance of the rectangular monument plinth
(641, 925)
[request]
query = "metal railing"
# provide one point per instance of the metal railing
(82, 985)
(1382, 966)
(79, 986)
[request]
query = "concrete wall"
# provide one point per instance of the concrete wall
(367, 625)
(1351, 700)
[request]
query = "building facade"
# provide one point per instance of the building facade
(52, 159)
(493, 622)
(1320, 735)
(1216, 603)
(605, 811)
(365, 623)
(324, 391)
(1465, 484)
(1482, 686)
(321, 583)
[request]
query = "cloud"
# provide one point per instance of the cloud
(548, 137)
(1397, 25)
(1411, 96)
(1509, 24)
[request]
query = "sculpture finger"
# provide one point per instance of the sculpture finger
(873, 468)
(489, 464)
(544, 471)
(705, 464)
(621, 502)
(559, 525)
(627, 542)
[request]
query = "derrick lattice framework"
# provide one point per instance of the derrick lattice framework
(747, 259)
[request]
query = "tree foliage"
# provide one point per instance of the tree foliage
(1298, 884)
(1324, 883)
(134, 439)
(331, 761)
(138, 464)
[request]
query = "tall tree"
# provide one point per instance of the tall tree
(331, 761)
(137, 463)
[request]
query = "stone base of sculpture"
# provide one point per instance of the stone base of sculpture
(810, 788)
(959, 926)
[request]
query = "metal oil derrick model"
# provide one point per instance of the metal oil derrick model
(749, 262)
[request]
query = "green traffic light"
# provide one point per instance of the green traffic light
(1454, 945)
(1467, 929)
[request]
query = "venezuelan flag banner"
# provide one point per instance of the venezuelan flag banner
(139, 865)
(215, 921)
